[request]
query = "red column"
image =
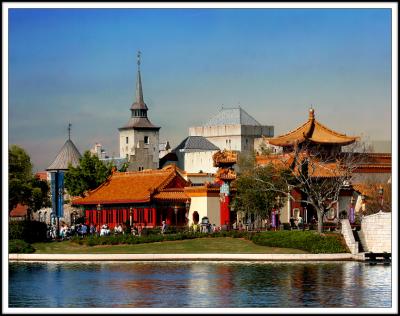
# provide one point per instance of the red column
(154, 216)
(224, 211)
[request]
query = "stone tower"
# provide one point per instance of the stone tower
(139, 138)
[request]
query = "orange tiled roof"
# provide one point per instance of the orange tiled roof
(313, 131)
(131, 187)
(369, 189)
(19, 211)
(172, 195)
(315, 169)
(42, 175)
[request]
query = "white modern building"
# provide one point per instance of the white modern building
(233, 129)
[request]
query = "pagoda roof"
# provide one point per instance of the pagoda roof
(68, 154)
(312, 131)
(134, 187)
(317, 169)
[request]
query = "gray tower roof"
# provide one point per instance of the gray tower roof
(68, 154)
(232, 116)
(195, 143)
(139, 119)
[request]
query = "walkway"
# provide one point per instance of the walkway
(186, 257)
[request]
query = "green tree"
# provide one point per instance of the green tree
(24, 187)
(253, 195)
(88, 175)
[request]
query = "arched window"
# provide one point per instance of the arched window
(196, 217)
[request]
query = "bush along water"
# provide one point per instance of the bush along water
(19, 246)
(310, 241)
(305, 240)
(29, 231)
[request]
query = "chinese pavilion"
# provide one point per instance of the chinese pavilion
(144, 198)
(318, 143)
(314, 135)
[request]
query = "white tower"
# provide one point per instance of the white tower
(139, 138)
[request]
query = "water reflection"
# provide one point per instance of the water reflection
(199, 284)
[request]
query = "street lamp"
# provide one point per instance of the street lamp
(99, 213)
(363, 202)
(187, 207)
(351, 212)
(380, 192)
(176, 215)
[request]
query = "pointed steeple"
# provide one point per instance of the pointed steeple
(139, 119)
(139, 108)
(68, 154)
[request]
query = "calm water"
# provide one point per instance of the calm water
(199, 285)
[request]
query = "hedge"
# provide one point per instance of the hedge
(305, 240)
(310, 241)
(19, 246)
(29, 231)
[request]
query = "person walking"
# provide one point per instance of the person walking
(163, 227)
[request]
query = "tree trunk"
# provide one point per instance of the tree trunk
(320, 220)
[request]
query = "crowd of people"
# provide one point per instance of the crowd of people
(82, 230)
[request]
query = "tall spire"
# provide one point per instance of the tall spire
(139, 108)
(139, 89)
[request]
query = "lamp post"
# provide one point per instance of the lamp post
(130, 216)
(187, 207)
(380, 192)
(351, 212)
(99, 213)
(363, 202)
(176, 215)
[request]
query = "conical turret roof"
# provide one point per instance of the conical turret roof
(68, 154)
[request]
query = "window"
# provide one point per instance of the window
(126, 139)
(150, 215)
(146, 139)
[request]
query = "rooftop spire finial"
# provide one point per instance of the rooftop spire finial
(311, 113)
(138, 58)
(69, 131)
(139, 90)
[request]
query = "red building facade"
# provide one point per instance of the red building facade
(144, 198)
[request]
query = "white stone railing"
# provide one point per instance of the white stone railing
(347, 233)
(376, 232)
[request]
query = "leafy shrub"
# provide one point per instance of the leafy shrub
(29, 231)
(19, 246)
(305, 240)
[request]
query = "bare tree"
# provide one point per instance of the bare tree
(317, 172)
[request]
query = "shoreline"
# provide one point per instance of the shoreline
(186, 257)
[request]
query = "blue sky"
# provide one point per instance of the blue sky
(79, 66)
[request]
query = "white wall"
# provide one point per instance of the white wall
(134, 136)
(232, 137)
(376, 232)
(205, 206)
(199, 161)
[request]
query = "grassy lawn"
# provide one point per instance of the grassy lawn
(200, 245)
